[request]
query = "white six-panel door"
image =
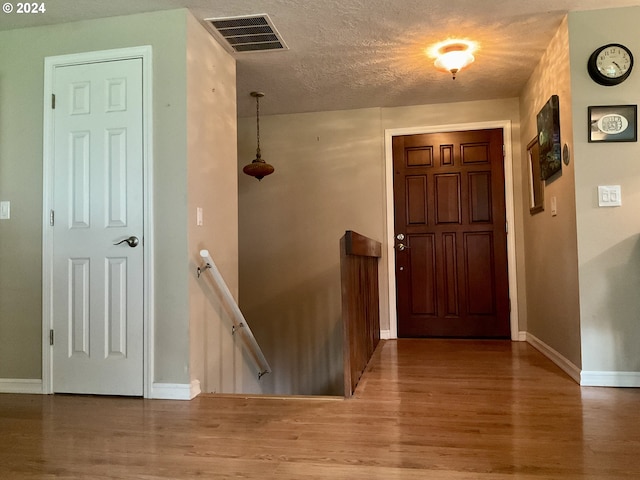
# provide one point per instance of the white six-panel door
(97, 294)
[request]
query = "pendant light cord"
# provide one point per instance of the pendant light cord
(258, 168)
(258, 125)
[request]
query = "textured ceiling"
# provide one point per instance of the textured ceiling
(347, 54)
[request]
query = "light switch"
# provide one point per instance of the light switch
(199, 218)
(554, 206)
(609, 196)
(5, 210)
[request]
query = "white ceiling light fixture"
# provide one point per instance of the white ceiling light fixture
(453, 55)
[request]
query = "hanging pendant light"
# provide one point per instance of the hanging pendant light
(258, 167)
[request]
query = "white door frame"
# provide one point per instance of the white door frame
(505, 125)
(50, 64)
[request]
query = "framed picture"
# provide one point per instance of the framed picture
(536, 184)
(613, 123)
(548, 121)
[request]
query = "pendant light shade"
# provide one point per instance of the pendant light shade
(258, 168)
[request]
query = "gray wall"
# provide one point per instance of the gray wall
(608, 238)
(22, 54)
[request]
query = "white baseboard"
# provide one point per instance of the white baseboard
(166, 391)
(195, 388)
(386, 335)
(175, 391)
(610, 379)
(556, 357)
(20, 385)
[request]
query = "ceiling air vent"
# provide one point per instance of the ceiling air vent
(252, 33)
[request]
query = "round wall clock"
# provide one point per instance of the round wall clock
(610, 64)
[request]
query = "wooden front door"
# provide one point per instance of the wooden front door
(450, 235)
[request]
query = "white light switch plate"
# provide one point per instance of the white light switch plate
(609, 196)
(199, 217)
(5, 210)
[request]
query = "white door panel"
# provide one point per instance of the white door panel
(98, 201)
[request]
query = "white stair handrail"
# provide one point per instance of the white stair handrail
(239, 322)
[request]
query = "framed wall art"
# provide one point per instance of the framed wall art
(536, 184)
(548, 121)
(613, 123)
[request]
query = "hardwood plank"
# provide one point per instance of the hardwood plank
(436, 409)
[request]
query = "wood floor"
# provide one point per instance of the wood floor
(426, 409)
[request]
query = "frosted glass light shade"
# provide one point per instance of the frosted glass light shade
(454, 57)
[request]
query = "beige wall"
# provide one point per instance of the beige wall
(553, 312)
(608, 238)
(212, 186)
(330, 177)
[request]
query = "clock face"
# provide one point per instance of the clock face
(613, 62)
(610, 64)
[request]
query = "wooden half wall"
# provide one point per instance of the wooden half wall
(359, 257)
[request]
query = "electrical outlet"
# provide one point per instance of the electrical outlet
(609, 196)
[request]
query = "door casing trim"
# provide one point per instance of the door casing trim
(505, 125)
(50, 64)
